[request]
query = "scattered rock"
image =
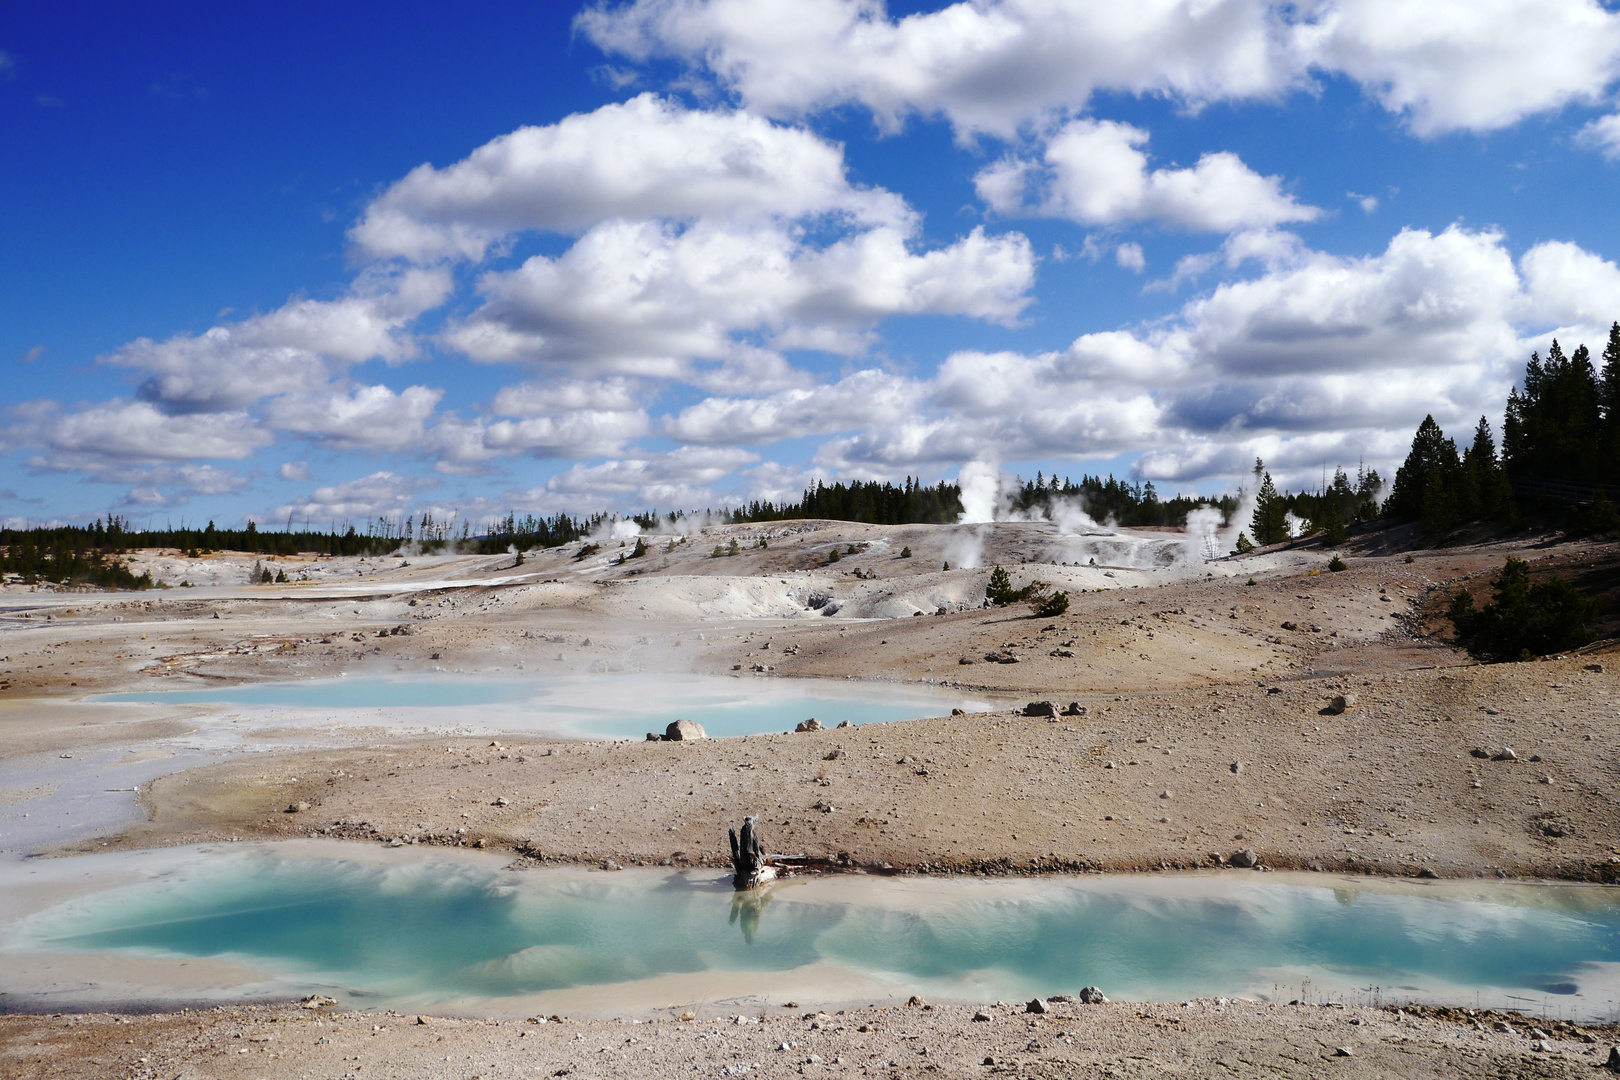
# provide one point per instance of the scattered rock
(318, 1001)
(1244, 858)
(1074, 708)
(958, 712)
(1481, 753)
(1091, 995)
(1613, 1064)
(423, 1021)
(1290, 626)
(1040, 708)
(981, 1017)
(609, 864)
(811, 724)
(1341, 703)
(963, 660)
(1595, 667)
(684, 731)
(1425, 872)
(1036, 1005)
(1343, 1051)
(1001, 658)
(843, 723)
(1236, 767)
(1505, 754)
(834, 754)
(297, 807)
(502, 801)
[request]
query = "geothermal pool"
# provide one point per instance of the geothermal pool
(602, 706)
(379, 928)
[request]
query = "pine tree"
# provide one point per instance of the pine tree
(1427, 478)
(1609, 406)
(1270, 521)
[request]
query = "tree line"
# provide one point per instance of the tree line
(1561, 426)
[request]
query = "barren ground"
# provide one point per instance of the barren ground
(1203, 733)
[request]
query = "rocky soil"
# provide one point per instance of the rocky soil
(1205, 730)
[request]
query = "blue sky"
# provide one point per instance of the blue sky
(328, 264)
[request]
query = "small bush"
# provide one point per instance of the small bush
(999, 591)
(1597, 517)
(905, 553)
(732, 548)
(834, 557)
(1410, 559)
(1523, 621)
(640, 549)
(944, 568)
(586, 551)
(1244, 544)
(1337, 564)
(1251, 581)
(1049, 607)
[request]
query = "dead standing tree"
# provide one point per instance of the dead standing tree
(748, 857)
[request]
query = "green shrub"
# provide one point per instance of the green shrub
(1049, 607)
(999, 591)
(1244, 544)
(640, 549)
(1336, 564)
(1524, 620)
(1250, 582)
(905, 553)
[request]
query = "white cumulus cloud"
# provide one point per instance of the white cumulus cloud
(649, 296)
(1095, 172)
(645, 158)
(994, 65)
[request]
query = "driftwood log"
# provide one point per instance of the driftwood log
(752, 866)
(748, 859)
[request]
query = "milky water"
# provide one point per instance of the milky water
(417, 929)
(606, 705)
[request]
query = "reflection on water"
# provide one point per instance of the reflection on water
(426, 930)
(746, 908)
(609, 705)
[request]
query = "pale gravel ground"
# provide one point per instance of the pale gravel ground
(1192, 1039)
(1182, 667)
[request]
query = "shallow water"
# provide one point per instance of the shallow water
(609, 705)
(420, 929)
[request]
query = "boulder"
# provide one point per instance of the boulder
(297, 807)
(1090, 995)
(1613, 1064)
(1341, 703)
(1036, 1005)
(684, 731)
(811, 724)
(1244, 858)
(1505, 754)
(1040, 708)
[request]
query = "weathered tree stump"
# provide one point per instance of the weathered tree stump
(748, 857)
